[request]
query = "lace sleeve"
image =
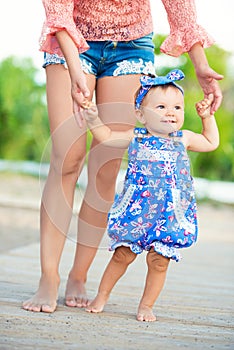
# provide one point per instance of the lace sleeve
(59, 16)
(184, 30)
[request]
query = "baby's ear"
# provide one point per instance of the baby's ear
(140, 116)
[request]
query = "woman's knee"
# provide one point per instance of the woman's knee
(123, 255)
(107, 174)
(102, 174)
(67, 165)
(157, 262)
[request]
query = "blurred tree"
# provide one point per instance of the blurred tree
(24, 126)
(24, 129)
(218, 164)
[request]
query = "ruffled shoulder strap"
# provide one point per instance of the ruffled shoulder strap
(140, 133)
(178, 133)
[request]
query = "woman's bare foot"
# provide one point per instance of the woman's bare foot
(45, 299)
(75, 295)
(97, 305)
(145, 313)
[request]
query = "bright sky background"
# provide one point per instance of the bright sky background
(21, 22)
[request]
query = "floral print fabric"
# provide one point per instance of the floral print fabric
(121, 20)
(156, 208)
(184, 30)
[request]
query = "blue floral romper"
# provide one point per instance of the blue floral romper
(157, 207)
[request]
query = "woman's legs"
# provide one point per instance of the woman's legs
(115, 99)
(155, 279)
(67, 157)
(117, 266)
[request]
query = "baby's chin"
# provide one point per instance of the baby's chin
(166, 128)
(162, 127)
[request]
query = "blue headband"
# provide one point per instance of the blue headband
(148, 82)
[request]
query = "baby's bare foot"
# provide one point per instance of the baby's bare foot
(75, 295)
(145, 313)
(97, 305)
(45, 299)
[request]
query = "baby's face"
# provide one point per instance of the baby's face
(163, 110)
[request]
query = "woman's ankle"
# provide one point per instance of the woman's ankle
(50, 276)
(76, 277)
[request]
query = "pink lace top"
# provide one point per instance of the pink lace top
(120, 20)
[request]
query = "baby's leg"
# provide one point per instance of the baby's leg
(117, 266)
(157, 269)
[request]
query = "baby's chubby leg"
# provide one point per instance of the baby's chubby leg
(157, 270)
(117, 266)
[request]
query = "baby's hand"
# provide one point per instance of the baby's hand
(90, 111)
(86, 104)
(203, 107)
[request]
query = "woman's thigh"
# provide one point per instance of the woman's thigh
(117, 83)
(115, 100)
(67, 138)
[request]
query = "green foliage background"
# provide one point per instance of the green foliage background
(23, 116)
(219, 164)
(24, 129)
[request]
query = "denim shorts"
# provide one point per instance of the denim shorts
(114, 58)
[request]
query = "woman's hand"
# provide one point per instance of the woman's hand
(79, 89)
(79, 93)
(207, 78)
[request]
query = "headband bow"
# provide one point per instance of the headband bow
(148, 82)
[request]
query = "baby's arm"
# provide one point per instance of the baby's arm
(208, 140)
(101, 132)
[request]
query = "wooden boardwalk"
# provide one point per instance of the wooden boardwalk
(195, 309)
